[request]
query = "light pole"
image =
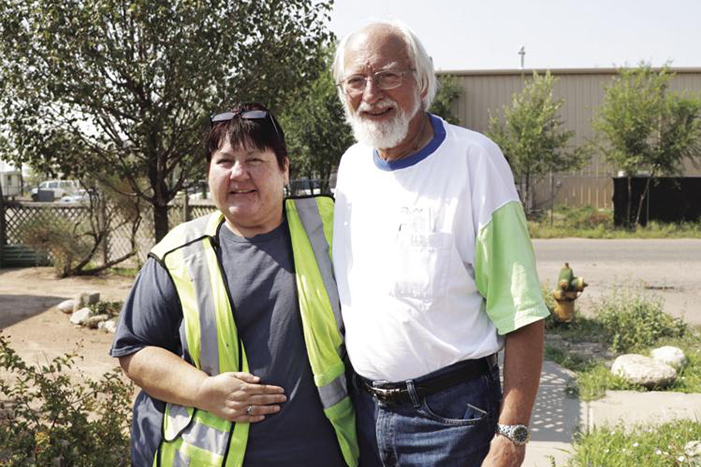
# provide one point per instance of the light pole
(522, 53)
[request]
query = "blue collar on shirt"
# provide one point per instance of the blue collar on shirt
(430, 148)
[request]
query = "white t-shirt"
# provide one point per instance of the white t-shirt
(431, 255)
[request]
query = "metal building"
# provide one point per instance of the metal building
(485, 93)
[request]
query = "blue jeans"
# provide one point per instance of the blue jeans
(452, 427)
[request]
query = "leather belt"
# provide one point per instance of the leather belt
(396, 393)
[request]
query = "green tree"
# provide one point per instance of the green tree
(532, 136)
(316, 132)
(124, 88)
(647, 129)
(448, 91)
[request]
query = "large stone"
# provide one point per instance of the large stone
(672, 356)
(80, 316)
(94, 321)
(85, 299)
(638, 369)
(66, 306)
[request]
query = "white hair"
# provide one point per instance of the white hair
(420, 60)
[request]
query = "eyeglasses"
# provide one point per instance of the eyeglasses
(385, 80)
(244, 114)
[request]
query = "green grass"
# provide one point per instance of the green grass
(589, 222)
(629, 320)
(662, 446)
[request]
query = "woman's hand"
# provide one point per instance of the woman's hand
(239, 397)
(167, 377)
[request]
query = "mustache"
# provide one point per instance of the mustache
(379, 105)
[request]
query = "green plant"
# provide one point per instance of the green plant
(633, 320)
(646, 128)
(662, 446)
(534, 138)
(99, 86)
(64, 240)
(106, 308)
(48, 419)
(448, 91)
(566, 359)
(590, 222)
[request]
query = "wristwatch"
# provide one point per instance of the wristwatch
(518, 434)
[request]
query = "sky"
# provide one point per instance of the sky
(487, 34)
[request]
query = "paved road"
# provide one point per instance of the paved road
(670, 269)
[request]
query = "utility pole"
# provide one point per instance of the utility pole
(522, 53)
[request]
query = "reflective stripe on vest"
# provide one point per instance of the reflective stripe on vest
(197, 438)
(311, 223)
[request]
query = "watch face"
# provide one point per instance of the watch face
(520, 434)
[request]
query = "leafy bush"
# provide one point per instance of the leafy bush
(633, 320)
(49, 420)
(58, 236)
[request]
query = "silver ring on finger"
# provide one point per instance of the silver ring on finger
(249, 410)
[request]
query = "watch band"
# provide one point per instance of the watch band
(518, 434)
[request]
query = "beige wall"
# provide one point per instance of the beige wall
(485, 93)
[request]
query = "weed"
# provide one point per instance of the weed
(106, 308)
(633, 320)
(589, 222)
(663, 446)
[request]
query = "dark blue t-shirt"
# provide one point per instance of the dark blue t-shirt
(260, 275)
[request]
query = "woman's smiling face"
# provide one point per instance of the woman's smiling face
(248, 187)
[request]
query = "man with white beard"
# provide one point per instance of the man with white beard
(435, 269)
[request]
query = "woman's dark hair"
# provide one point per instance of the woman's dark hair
(262, 133)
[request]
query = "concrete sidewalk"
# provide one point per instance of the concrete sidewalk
(557, 415)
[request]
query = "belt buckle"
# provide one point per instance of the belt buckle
(387, 395)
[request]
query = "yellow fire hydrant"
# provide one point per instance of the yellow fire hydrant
(569, 288)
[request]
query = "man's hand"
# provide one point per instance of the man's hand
(229, 395)
(504, 453)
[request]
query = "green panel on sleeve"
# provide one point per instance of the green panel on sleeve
(505, 270)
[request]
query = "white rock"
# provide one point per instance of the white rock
(66, 306)
(94, 321)
(672, 356)
(110, 325)
(693, 449)
(80, 316)
(642, 370)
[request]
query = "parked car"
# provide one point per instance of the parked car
(80, 196)
(58, 188)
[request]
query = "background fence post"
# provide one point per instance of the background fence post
(103, 227)
(186, 208)
(3, 238)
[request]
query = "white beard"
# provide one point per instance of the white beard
(381, 135)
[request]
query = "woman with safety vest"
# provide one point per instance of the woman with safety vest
(233, 327)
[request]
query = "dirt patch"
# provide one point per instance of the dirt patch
(39, 332)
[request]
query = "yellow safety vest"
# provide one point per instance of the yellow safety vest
(196, 438)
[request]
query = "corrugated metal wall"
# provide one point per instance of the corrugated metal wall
(485, 93)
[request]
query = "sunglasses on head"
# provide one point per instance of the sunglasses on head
(246, 115)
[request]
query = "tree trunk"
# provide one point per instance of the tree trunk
(629, 204)
(642, 200)
(160, 221)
